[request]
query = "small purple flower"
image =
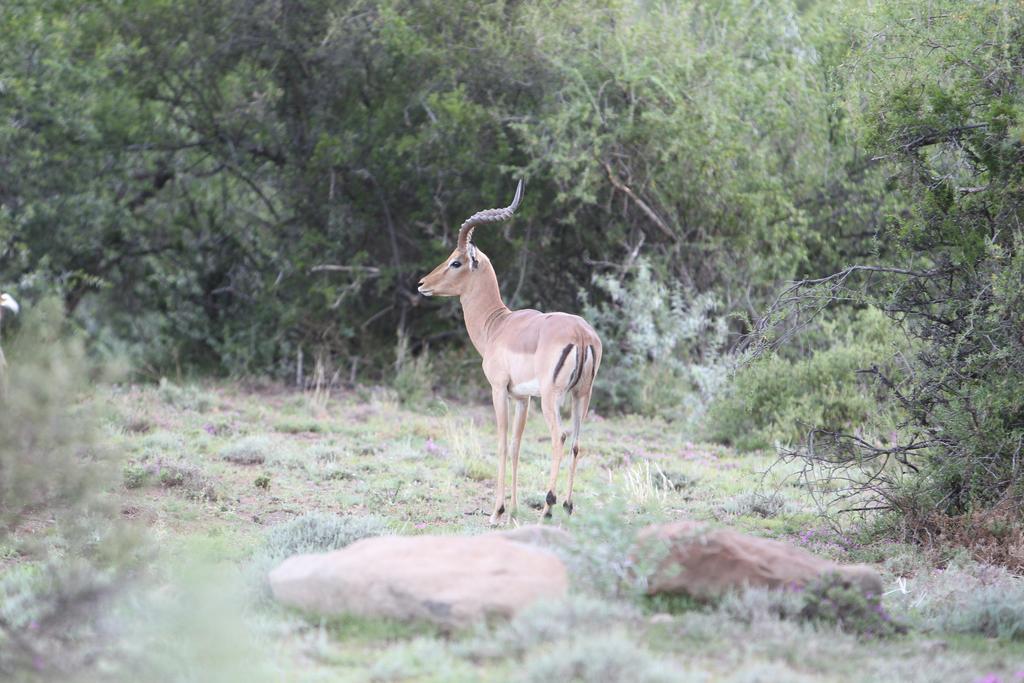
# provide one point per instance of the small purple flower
(210, 429)
(989, 678)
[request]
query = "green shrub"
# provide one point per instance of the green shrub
(775, 399)
(602, 556)
(185, 398)
(413, 380)
(422, 659)
(970, 599)
(313, 532)
(54, 473)
(317, 532)
(547, 622)
(135, 476)
(170, 474)
(298, 425)
(830, 600)
(757, 504)
(606, 658)
(661, 346)
(761, 604)
(262, 482)
(250, 450)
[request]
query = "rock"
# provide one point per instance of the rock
(705, 563)
(449, 580)
(536, 534)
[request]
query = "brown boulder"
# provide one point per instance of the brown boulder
(449, 580)
(706, 563)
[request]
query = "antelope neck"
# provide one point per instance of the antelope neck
(483, 309)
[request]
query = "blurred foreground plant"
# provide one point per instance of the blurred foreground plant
(65, 550)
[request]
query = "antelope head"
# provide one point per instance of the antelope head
(455, 275)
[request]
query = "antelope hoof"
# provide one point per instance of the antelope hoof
(568, 507)
(496, 516)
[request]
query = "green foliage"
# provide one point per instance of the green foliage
(547, 622)
(827, 602)
(779, 400)
(169, 474)
(946, 126)
(182, 190)
(956, 139)
(603, 558)
(184, 398)
(317, 532)
(964, 598)
(73, 553)
(249, 450)
(661, 346)
(830, 600)
(414, 375)
(422, 659)
(605, 658)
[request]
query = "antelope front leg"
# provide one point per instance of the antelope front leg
(500, 399)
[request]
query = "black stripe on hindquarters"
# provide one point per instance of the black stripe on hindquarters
(581, 358)
(561, 362)
(593, 364)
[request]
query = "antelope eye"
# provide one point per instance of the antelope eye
(456, 264)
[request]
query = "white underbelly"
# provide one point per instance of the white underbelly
(531, 388)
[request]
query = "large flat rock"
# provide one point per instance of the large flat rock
(705, 563)
(448, 580)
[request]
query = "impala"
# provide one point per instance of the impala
(525, 353)
(6, 302)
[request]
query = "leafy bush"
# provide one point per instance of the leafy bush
(607, 658)
(830, 600)
(691, 166)
(414, 375)
(170, 474)
(313, 532)
(758, 504)
(54, 471)
(761, 604)
(184, 398)
(250, 450)
(602, 557)
(948, 265)
(964, 598)
(661, 345)
(547, 622)
(420, 659)
(774, 399)
(317, 532)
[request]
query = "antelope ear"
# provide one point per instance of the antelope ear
(471, 253)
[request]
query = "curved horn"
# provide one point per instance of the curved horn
(488, 216)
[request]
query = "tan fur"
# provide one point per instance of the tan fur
(521, 349)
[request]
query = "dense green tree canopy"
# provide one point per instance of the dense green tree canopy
(184, 171)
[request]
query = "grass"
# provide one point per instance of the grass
(350, 465)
